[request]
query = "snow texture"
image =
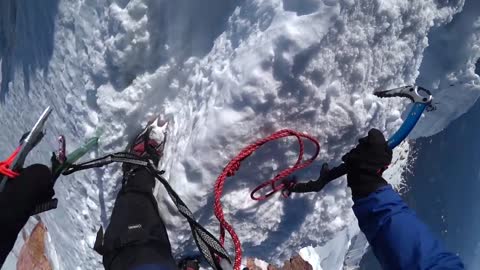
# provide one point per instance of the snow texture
(225, 73)
(449, 69)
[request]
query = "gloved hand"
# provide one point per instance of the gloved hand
(20, 197)
(23, 193)
(366, 164)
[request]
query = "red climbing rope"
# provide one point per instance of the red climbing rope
(7, 164)
(233, 167)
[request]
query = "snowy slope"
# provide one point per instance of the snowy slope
(449, 68)
(225, 73)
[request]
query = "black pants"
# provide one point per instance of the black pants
(136, 234)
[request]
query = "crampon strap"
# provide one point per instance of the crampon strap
(207, 244)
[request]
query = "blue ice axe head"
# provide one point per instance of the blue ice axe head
(420, 103)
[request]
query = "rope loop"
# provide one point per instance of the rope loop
(234, 165)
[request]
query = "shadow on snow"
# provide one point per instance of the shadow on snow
(26, 39)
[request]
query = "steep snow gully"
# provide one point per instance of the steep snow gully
(226, 73)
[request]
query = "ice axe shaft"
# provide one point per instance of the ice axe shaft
(420, 103)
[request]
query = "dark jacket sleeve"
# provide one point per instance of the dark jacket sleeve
(17, 202)
(8, 236)
(398, 238)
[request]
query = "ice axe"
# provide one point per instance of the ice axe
(16, 160)
(420, 103)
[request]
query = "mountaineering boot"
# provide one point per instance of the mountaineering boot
(149, 144)
(136, 235)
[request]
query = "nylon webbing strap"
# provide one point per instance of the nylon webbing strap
(207, 244)
(100, 162)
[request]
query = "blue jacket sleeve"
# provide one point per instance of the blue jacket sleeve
(398, 238)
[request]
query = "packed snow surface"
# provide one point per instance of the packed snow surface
(224, 73)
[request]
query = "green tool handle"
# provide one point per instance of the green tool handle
(76, 155)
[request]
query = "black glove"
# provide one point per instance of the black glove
(20, 197)
(366, 163)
